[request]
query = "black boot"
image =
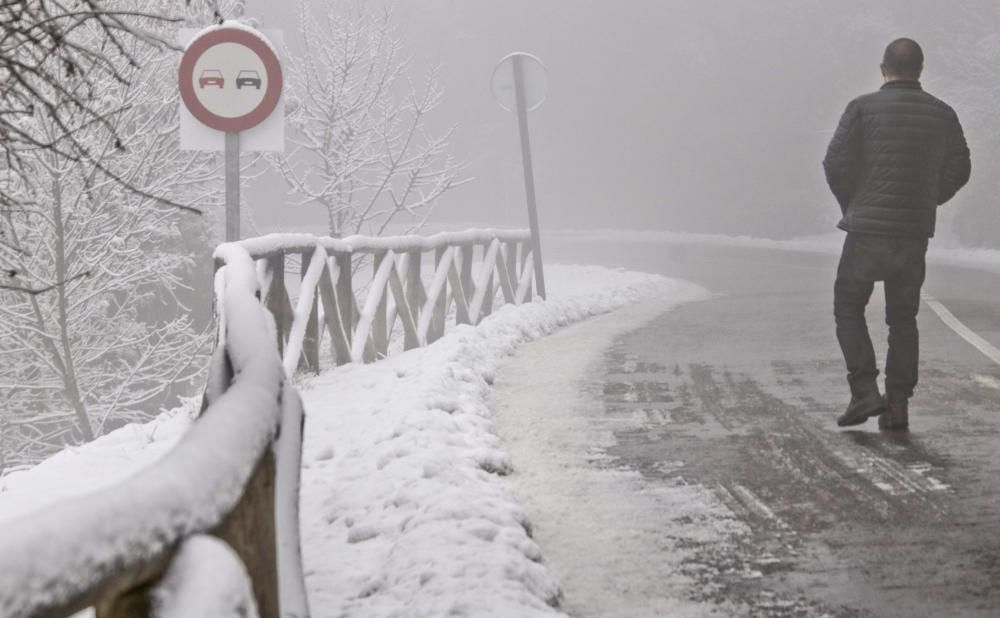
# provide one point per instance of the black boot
(861, 408)
(897, 415)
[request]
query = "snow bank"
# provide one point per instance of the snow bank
(402, 510)
(106, 460)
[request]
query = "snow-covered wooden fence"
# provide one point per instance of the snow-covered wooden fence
(470, 272)
(210, 529)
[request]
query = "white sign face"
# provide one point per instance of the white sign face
(535, 82)
(229, 80)
(231, 99)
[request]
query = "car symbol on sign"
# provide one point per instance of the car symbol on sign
(211, 77)
(248, 78)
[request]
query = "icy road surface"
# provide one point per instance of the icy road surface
(687, 463)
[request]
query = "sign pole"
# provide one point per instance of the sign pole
(529, 175)
(232, 186)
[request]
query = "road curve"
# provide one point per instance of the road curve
(738, 395)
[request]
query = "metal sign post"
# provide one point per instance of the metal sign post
(529, 173)
(230, 81)
(528, 86)
(232, 186)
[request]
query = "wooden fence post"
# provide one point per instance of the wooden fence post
(250, 531)
(380, 336)
(490, 290)
(468, 286)
(510, 255)
(524, 262)
(339, 343)
(309, 360)
(345, 297)
(414, 296)
(436, 329)
(277, 299)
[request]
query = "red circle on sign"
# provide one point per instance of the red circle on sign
(241, 37)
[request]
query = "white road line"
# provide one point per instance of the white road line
(962, 330)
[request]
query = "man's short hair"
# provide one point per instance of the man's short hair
(903, 58)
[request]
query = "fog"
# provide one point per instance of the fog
(683, 115)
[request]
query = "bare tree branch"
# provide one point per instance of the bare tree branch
(361, 146)
(42, 290)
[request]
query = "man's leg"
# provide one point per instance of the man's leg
(850, 297)
(902, 302)
(861, 264)
(851, 292)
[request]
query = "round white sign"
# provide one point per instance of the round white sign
(230, 78)
(535, 81)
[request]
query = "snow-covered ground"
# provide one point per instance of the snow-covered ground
(79, 470)
(403, 512)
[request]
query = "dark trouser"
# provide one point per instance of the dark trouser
(899, 262)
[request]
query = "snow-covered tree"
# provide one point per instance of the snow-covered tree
(361, 146)
(47, 68)
(91, 330)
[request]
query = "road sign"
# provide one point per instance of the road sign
(230, 81)
(520, 83)
(230, 78)
(535, 77)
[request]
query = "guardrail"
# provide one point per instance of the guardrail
(470, 271)
(135, 548)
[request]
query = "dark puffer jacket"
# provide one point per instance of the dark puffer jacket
(897, 154)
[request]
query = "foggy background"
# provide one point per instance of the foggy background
(681, 115)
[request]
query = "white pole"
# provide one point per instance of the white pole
(529, 175)
(232, 186)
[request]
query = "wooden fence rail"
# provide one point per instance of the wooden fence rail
(232, 476)
(415, 284)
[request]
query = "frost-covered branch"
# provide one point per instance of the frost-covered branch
(362, 150)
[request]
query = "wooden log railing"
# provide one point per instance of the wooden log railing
(139, 547)
(415, 285)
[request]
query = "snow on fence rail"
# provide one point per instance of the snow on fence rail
(360, 328)
(139, 547)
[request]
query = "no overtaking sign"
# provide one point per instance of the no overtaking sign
(230, 78)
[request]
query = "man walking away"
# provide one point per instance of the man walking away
(897, 154)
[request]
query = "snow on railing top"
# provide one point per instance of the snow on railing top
(270, 244)
(79, 551)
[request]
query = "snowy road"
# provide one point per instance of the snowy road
(710, 431)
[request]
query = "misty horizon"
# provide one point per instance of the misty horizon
(680, 116)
